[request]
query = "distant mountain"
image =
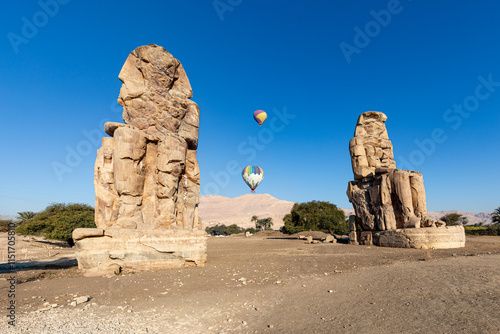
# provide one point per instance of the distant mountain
(472, 218)
(7, 217)
(216, 209)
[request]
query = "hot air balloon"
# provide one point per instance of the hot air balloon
(252, 175)
(260, 116)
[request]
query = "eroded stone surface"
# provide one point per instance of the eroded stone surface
(422, 238)
(142, 250)
(82, 233)
(384, 198)
(147, 176)
(155, 94)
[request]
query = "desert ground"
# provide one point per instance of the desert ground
(264, 284)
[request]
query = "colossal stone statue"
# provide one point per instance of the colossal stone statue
(146, 175)
(389, 199)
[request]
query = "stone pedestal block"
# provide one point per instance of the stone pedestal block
(422, 238)
(142, 249)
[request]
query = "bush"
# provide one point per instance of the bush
(343, 228)
(224, 230)
(4, 225)
(252, 230)
(315, 216)
(58, 221)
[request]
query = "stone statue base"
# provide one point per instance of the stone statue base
(103, 252)
(422, 238)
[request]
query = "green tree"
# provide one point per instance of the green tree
(224, 230)
(234, 229)
(264, 224)
(454, 219)
(315, 216)
(58, 221)
(495, 217)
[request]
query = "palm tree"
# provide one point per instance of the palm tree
(264, 224)
(254, 219)
(496, 216)
(268, 223)
(25, 215)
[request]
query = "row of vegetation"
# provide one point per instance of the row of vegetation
(221, 229)
(493, 229)
(260, 225)
(310, 216)
(59, 220)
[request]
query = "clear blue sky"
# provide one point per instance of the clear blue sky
(324, 62)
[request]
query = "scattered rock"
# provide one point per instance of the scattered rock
(330, 239)
(82, 299)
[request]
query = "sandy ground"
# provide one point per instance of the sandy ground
(259, 285)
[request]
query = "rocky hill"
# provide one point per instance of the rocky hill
(216, 209)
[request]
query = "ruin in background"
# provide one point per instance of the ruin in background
(389, 204)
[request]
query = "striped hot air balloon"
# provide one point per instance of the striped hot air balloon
(252, 175)
(260, 116)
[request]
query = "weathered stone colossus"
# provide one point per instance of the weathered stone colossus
(147, 176)
(385, 198)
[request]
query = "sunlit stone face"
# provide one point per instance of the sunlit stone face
(373, 127)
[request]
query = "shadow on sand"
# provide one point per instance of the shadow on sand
(64, 262)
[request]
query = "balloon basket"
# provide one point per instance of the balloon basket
(253, 191)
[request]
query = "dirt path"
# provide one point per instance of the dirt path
(255, 285)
